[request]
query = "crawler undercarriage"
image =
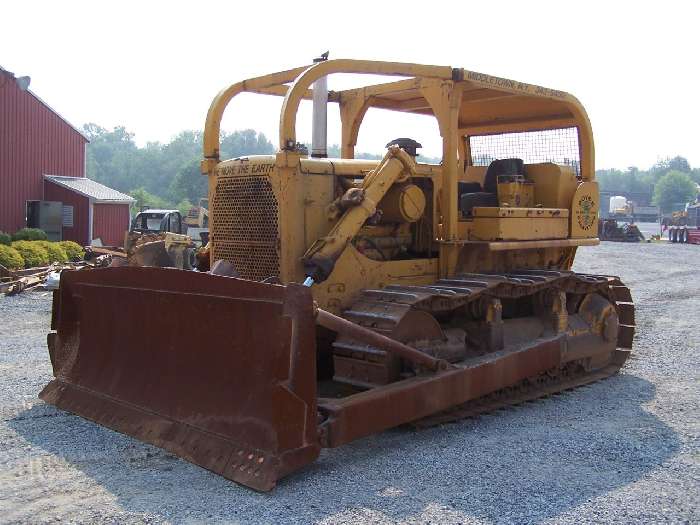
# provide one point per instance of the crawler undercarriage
(507, 324)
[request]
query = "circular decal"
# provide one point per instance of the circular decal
(585, 213)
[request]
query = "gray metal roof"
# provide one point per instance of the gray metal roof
(160, 211)
(89, 188)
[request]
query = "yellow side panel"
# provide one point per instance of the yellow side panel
(292, 199)
(507, 212)
(338, 166)
(514, 224)
(554, 184)
(354, 272)
(318, 196)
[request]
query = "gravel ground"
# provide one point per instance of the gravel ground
(621, 450)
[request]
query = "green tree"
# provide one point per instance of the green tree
(169, 172)
(184, 149)
(632, 180)
(144, 198)
(679, 163)
(184, 206)
(673, 189)
(112, 157)
(663, 166)
(245, 142)
(149, 168)
(185, 152)
(611, 180)
(189, 183)
(695, 175)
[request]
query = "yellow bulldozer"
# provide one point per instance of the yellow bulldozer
(351, 296)
(197, 222)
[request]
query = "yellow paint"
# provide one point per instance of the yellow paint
(355, 272)
(521, 213)
(402, 203)
(554, 185)
(396, 166)
(544, 235)
(512, 224)
(516, 193)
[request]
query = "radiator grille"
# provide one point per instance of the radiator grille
(244, 226)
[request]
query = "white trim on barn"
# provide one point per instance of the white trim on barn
(91, 214)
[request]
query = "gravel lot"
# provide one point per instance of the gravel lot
(622, 450)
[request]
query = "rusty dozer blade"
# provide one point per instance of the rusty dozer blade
(217, 370)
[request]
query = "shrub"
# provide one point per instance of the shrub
(29, 234)
(56, 252)
(5, 238)
(33, 254)
(11, 258)
(73, 250)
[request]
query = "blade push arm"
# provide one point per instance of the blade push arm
(319, 260)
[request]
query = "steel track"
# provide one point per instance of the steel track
(545, 385)
(382, 311)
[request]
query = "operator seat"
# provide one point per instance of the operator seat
(472, 194)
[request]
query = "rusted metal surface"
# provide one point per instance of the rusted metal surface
(607, 309)
(448, 294)
(366, 366)
(389, 310)
(19, 282)
(218, 370)
(385, 407)
(238, 393)
(551, 382)
(342, 326)
(150, 254)
(161, 249)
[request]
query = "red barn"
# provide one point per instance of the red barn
(36, 141)
(90, 210)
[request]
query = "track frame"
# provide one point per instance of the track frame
(509, 376)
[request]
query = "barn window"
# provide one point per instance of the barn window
(67, 216)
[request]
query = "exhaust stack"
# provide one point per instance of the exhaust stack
(319, 130)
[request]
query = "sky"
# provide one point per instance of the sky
(154, 67)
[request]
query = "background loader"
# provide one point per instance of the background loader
(160, 238)
(610, 230)
(351, 296)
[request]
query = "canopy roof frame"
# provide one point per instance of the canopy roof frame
(464, 102)
(479, 89)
